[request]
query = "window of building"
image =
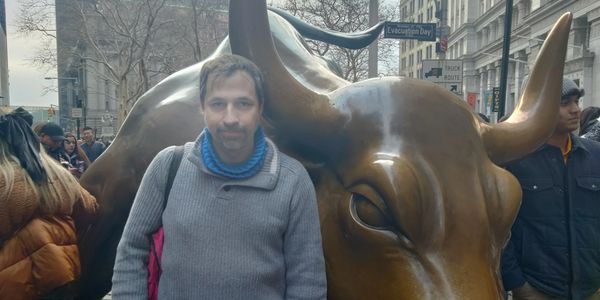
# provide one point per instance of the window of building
(462, 12)
(403, 63)
(515, 18)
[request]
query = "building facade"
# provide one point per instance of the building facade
(413, 52)
(92, 86)
(476, 37)
(4, 92)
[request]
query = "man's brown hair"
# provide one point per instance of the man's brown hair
(227, 65)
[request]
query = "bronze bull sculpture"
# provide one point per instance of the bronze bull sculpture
(411, 202)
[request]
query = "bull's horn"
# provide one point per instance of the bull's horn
(534, 119)
(289, 105)
(353, 40)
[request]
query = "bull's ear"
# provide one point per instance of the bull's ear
(534, 118)
(302, 113)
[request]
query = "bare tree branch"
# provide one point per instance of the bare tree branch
(344, 16)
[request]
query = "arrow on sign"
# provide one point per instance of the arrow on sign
(454, 88)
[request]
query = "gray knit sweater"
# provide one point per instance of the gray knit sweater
(257, 238)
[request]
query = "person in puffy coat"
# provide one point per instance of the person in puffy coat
(39, 200)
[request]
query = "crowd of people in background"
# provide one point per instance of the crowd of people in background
(73, 154)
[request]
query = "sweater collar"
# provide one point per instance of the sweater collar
(266, 178)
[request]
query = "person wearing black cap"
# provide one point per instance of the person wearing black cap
(553, 250)
(52, 136)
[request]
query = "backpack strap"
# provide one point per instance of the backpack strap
(175, 162)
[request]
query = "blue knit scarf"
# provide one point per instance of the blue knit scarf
(239, 171)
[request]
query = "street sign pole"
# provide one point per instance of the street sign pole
(505, 53)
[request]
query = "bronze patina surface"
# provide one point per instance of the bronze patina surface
(411, 201)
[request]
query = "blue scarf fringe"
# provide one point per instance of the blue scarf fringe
(242, 171)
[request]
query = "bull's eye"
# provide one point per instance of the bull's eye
(370, 210)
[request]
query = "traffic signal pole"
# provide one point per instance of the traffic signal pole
(505, 54)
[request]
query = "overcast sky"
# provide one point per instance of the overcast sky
(26, 81)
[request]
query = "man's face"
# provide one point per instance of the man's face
(88, 136)
(232, 114)
(568, 115)
(49, 143)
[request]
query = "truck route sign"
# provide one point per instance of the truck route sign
(447, 73)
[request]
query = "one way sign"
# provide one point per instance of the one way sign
(447, 73)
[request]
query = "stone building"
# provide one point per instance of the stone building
(89, 85)
(4, 95)
(476, 38)
(412, 52)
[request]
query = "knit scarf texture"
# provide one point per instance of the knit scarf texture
(238, 171)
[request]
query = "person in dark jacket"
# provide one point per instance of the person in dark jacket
(590, 123)
(52, 137)
(554, 249)
(92, 148)
(594, 132)
(589, 118)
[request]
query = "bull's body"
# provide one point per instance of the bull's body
(410, 202)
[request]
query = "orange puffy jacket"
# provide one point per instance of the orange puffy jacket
(37, 253)
(42, 256)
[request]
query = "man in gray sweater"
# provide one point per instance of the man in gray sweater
(241, 221)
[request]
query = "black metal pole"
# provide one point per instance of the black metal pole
(505, 53)
(78, 130)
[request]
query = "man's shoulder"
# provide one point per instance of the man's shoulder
(98, 144)
(533, 156)
(290, 164)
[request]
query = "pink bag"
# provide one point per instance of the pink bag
(154, 270)
(158, 238)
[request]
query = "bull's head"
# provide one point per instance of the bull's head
(412, 204)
